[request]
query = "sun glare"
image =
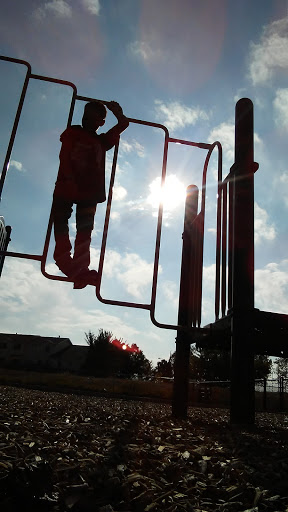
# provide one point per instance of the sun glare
(171, 195)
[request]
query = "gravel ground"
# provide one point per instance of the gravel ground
(61, 452)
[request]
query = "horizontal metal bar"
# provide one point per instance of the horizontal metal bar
(21, 255)
(87, 98)
(54, 80)
(184, 328)
(130, 119)
(16, 120)
(201, 145)
(122, 303)
(56, 278)
(17, 61)
(148, 123)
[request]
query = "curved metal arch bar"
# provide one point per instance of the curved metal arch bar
(107, 218)
(29, 75)
(17, 117)
(218, 222)
(200, 216)
(42, 258)
(61, 82)
(159, 223)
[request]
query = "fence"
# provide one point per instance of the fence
(271, 395)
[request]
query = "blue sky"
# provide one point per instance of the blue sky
(183, 64)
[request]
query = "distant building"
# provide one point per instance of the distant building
(72, 359)
(40, 353)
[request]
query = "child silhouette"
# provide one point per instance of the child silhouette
(81, 181)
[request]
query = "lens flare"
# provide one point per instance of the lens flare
(172, 195)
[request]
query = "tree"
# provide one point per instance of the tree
(103, 338)
(136, 364)
(213, 364)
(262, 365)
(208, 364)
(90, 338)
(164, 368)
(99, 361)
(110, 356)
(282, 367)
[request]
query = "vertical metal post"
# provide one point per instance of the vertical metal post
(183, 339)
(15, 125)
(242, 354)
(230, 243)
(281, 393)
(224, 251)
(5, 247)
(265, 394)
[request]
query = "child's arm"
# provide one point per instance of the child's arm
(112, 136)
(116, 109)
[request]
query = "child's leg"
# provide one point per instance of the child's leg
(84, 224)
(62, 210)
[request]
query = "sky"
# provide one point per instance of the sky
(184, 65)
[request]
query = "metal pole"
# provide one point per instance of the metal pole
(281, 394)
(7, 240)
(242, 354)
(183, 339)
(265, 394)
(15, 124)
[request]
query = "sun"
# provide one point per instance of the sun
(172, 195)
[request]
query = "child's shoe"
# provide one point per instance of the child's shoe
(85, 277)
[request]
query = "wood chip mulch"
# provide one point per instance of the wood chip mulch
(62, 452)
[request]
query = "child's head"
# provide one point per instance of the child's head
(94, 115)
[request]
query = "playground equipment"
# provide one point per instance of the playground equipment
(238, 325)
(5, 232)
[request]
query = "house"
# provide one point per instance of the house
(72, 359)
(40, 353)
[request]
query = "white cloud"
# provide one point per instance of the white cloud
(280, 105)
(126, 146)
(62, 9)
(172, 46)
(92, 6)
(284, 178)
(283, 189)
(133, 145)
(129, 270)
(119, 193)
(208, 300)
(263, 230)
(176, 115)
(271, 287)
(136, 274)
(59, 8)
(24, 289)
(270, 54)
(16, 165)
(115, 215)
(144, 50)
(171, 292)
(139, 148)
(225, 134)
(111, 264)
(32, 304)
